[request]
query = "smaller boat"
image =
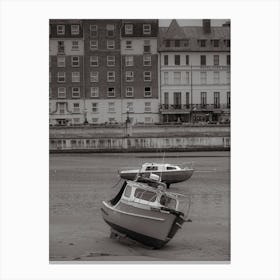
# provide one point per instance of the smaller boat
(144, 211)
(169, 173)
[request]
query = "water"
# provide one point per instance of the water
(79, 183)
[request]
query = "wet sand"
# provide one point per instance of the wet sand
(79, 183)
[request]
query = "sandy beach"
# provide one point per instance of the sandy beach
(79, 183)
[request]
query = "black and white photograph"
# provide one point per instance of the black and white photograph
(139, 131)
(139, 140)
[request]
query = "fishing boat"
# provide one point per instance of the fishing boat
(144, 211)
(169, 173)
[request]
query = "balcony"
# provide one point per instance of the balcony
(187, 108)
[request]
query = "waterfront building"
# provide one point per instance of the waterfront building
(139, 66)
(194, 73)
(66, 72)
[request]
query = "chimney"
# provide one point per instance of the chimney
(206, 24)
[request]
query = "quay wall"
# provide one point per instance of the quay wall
(139, 140)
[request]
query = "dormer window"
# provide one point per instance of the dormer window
(60, 30)
(216, 43)
(177, 43)
(167, 43)
(128, 29)
(202, 43)
(146, 29)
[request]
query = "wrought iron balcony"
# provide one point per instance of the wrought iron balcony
(177, 108)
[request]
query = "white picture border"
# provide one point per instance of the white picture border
(254, 138)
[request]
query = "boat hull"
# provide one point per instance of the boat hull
(169, 177)
(151, 228)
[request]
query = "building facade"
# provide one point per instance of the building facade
(66, 72)
(194, 73)
(133, 71)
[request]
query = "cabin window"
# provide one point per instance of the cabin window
(170, 168)
(145, 195)
(151, 168)
(127, 192)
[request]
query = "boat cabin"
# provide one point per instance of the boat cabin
(158, 167)
(135, 193)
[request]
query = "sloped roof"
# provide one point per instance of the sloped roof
(174, 31)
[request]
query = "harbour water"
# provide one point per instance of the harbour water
(79, 183)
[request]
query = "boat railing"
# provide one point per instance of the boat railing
(184, 202)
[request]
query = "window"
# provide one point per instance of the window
(93, 76)
(75, 61)
(147, 46)
(111, 107)
(110, 44)
(94, 107)
(93, 30)
(129, 91)
(75, 92)
(177, 77)
(228, 59)
(187, 78)
(110, 76)
(203, 60)
(165, 58)
(148, 120)
(227, 42)
(146, 29)
(203, 99)
(61, 61)
(167, 43)
(75, 45)
(216, 60)
(94, 120)
(216, 77)
(147, 76)
(147, 92)
(75, 77)
(61, 77)
(111, 92)
(203, 78)
(177, 43)
(129, 75)
(177, 59)
(216, 100)
(187, 60)
(110, 28)
(228, 77)
(61, 47)
(216, 43)
(148, 107)
(61, 108)
(202, 43)
(76, 107)
(93, 61)
(75, 29)
(128, 29)
(228, 99)
(94, 92)
(112, 120)
(165, 78)
(61, 92)
(128, 44)
(129, 60)
(111, 60)
(147, 60)
(93, 44)
(130, 107)
(60, 30)
(187, 100)
(166, 98)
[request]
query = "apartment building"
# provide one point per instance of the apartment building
(66, 72)
(194, 73)
(139, 65)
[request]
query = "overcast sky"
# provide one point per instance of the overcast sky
(191, 22)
